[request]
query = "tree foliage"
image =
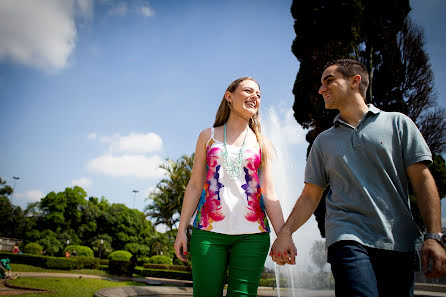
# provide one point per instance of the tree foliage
(319, 254)
(381, 35)
(165, 201)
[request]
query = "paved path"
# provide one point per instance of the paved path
(170, 288)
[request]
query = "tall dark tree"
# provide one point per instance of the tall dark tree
(379, 34)
(13, 223)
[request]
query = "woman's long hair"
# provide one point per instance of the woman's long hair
(225, 108)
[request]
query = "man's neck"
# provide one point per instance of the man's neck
(353, 113)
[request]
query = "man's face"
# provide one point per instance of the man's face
(334, 88)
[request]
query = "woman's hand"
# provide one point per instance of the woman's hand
(181, 243)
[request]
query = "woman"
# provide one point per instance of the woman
(225, 201)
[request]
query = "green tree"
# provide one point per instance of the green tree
(165, 201)
(14, 222)
(63, 210)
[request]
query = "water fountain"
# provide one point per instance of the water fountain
(288, 138)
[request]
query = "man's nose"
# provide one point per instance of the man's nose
(322, 89)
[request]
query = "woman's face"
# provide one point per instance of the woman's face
(246, 98)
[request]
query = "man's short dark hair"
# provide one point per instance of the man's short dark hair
(349, 68)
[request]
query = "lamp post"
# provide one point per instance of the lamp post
(100, 247)
(134, 191)
(16, 178)
(68, 242)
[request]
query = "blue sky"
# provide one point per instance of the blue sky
(98, 93)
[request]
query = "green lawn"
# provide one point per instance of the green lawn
(69, 287)
(29, 268)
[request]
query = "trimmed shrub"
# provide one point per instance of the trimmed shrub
(120, 256)
(33, 248)
(119, 267)
(160, 259)
(171, 274)
(52, 262)
(166, 267)
(81, 250)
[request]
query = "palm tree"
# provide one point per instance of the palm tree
(166, 200)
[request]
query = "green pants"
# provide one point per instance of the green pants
(212, 253)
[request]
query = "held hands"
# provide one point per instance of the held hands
(283, 250)
(433, 252)
(181, 243)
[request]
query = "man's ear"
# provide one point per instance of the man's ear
(228, 96)
(356, 81)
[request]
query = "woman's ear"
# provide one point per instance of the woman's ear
(228, 96)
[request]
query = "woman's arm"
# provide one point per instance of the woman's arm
(192, 193)
(272, 203)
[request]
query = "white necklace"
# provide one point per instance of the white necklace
(233, 170)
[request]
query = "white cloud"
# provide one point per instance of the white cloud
(42, 33)
(119, 9)
(138, 166)
(29, 196)
(92, 136)
(147, 11)
(139, 143)
(82, 182)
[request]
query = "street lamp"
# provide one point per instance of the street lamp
(100, 247)
(16, 178)
(134, 191)
(68, 242)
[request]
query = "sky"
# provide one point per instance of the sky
(98, 93)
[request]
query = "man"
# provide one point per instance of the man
(368, 158)
(4, 266)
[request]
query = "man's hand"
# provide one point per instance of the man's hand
(283, 250)
(433, 253)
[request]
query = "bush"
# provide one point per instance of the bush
(166, 267)
(120, 256)
(119, 267)
(52, 262)
(33, 248)
(271, 282)
(160, 259)
(171, 274)
(81, 250)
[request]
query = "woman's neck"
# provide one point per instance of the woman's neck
(236, 124)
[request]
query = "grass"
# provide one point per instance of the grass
(30, 268)
(69, 287)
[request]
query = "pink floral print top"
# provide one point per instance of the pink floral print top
(231, 206)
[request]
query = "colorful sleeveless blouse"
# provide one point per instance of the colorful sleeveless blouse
(231, 206)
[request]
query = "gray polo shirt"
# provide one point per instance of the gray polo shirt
(366, 170)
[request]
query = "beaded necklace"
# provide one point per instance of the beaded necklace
(233, 170)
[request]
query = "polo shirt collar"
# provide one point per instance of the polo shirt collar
(372, 109)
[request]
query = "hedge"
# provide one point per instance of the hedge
(271, 282)
(165, 267)
(52, 262)
(160, 273)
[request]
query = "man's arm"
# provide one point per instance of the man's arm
(428, 202)
(283, 250)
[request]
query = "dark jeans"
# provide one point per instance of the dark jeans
(368, 272)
